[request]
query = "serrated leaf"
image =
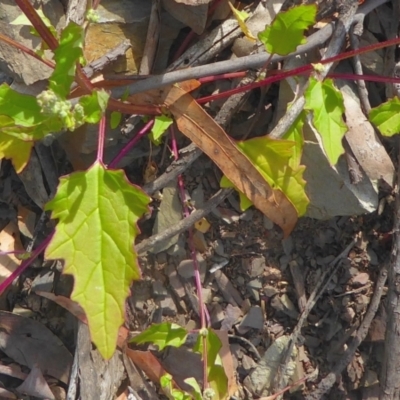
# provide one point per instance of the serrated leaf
(98, 210)
(162, 335)
(287, 29)
(273, 159)
(241, 17)
(66, 55)
(386, 117)
(161, 124)
(22, 108)
(215, 371)
(326, 103)
(18, 151)
(94, 105)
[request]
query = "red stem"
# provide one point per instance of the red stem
(101, 139)
(197, 277)
(44, 32)
(305, 69)
(144, 131)
(26, 50)
(25, 264)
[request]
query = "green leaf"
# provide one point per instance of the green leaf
(273, 159)
(241, 17)
(98, 211)
(162, 335)
(295, 134)
(94, 105)
(245, 203)
(386, 117)
(18, 151)
(169, 390)
(161, 124)
(326, 103)
(22, 108)
(66, 55)
(215, 371)
(287, 30)
(115, 119)
(196, 388)
(23, 20)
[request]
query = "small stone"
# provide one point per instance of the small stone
(168, 306)
(288, 245)
(219, 248)
(248, 363)
(348, 315)
(254, 319)
(162, 257)
(174, 281)
(254, 287)
(232, 316)
(198, 196)
(186, 268)
(178, 250)
(240, 280)
(270, 291)
(360, 279)
(159, 289)
(207, 295)
(217, 315)
(247, 216)
(284, 261)
(273, 274)
(255, 266)
(267, 223)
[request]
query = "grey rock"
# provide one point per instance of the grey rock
(254, 319)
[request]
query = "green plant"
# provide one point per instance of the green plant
(101, 206)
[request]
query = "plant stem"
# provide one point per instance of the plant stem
(44, 32)
(197, 277)
(26, 50)
(100, 140)
(25, 264)
(144, 131)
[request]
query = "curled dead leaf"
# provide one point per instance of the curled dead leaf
(199, 127)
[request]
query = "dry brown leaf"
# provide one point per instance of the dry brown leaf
(9, 241)
(199, 127)
(227, 362)
(26, 221)
(74, 308)
(29, 342)
(148, 363)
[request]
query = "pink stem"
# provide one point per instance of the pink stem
(197, 277)
(100, 143)
(130, 144)
(25, 264)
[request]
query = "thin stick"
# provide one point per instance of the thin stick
(184, 224)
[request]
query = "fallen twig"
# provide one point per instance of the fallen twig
(184, 224)
(240, 64)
